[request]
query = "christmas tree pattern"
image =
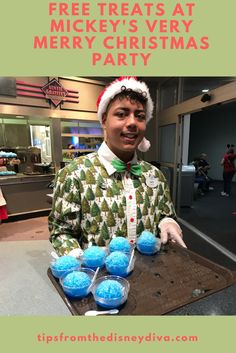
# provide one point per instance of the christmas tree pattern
(94, 205)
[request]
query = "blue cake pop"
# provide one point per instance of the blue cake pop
(64, 265)
(110, 291)
(119, 244)
(76, 284)
(117, 263)
(94, 257)
(109, 294)
(147, 243)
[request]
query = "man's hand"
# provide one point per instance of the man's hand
(76, 253)
(171, 231)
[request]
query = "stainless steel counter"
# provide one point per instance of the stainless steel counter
(25, 288)
(19, 177)
(26, 193)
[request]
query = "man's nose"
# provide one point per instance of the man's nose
(131, 121)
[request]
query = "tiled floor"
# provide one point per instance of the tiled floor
(215, 216)
(30, 229)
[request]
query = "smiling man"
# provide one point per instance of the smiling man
(110, 192)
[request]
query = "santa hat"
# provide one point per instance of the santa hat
(115, 88)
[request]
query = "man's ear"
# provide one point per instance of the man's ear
(104, 118)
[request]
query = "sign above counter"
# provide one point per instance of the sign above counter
(52, 91)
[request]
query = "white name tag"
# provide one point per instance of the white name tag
(151, 181)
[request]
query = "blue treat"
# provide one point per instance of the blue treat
(76, 284)
(64, 265)
(11, 155)
(147, 243)
(94, 257)
(7, 172)
(109, 294)
(77, 279)
(117, 263)
(119, 244)
(7, 154)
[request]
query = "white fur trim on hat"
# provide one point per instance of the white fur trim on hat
(144, 145)
(115, 88)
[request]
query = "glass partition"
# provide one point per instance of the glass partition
(167, 143)
(169, 93)
(80, 137)
(16, 132)
(30, 139)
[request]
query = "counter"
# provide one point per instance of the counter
(26, 193)
(25, 289)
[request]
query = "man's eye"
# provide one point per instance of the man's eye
(141, 117)
(120, 114)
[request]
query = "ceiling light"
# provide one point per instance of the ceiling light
(205, 90)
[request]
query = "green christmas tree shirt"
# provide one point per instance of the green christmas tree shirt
(91, 206)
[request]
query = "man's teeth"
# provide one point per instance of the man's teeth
(130, 135)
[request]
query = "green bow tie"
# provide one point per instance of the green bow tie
(121, 166)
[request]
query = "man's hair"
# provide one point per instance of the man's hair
(133, 96)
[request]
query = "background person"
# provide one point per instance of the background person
(3, 210)
(228, 163)
(203, 168)
(201, 173)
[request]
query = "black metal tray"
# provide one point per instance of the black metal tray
(161, 283)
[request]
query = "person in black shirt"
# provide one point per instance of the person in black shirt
(201, 175)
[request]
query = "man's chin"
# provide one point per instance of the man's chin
(129, 147)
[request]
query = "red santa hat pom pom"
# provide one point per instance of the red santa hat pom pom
(116, 87)
(144, 145)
